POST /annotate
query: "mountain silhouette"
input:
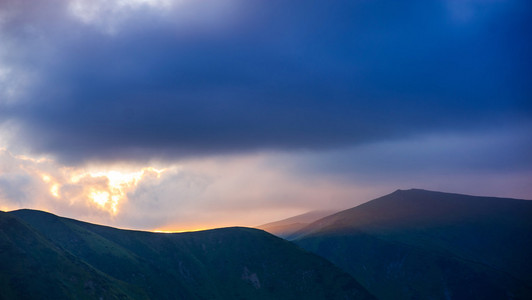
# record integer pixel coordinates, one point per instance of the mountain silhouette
(417, 244)
(44, 256)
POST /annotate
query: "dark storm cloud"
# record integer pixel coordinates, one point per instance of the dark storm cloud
(274, 75)
(501, 151)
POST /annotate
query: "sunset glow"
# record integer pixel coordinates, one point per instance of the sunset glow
(101, 188)
(191, 229)
(182, 114)
(54, 190)
(102, 198)
(46, 178)
(180, 231)
(109, 196)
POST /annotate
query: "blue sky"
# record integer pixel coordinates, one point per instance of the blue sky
(331, 102)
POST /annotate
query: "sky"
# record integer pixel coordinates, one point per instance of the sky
(186, 114)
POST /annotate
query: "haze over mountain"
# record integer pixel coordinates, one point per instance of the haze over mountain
(286, 227)
(43, 256)
(423, 244)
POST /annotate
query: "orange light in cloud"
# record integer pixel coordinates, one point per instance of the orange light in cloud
(102, 188)
(101, 198)
(54, 189)
(34, 160)
(46, 178)
(118, 184)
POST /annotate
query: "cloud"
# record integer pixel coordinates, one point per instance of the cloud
(266, 75)
(248, 190)
(42, 183)
(258, 110)
(502, 150)
(20, 183)
(228, 191)
(196, 194)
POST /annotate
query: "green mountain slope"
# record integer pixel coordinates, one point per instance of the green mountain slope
(422, 244)
(31, 267)
(228, 263)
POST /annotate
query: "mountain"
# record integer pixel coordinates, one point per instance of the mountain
(418, 244)
(44, 256)
(32, 267)
(287, 227)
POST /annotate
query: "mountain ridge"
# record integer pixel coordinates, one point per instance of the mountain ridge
(387, 242)
(225, 263)
(373, 217)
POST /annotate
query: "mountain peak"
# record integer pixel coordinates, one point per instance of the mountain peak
(437, 242)
(417, 191)
(416, 206)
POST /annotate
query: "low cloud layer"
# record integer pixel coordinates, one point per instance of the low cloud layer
(207, 193)
(249, 190)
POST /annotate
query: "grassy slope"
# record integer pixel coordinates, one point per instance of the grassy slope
(428, 244)
(34, 268)
(230, 263)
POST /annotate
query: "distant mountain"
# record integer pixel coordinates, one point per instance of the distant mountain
(287, 227)
(43, 256)
(419, 244)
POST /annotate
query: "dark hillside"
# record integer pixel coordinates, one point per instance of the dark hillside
(34, 268)
(228, 263)
(420, 243)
